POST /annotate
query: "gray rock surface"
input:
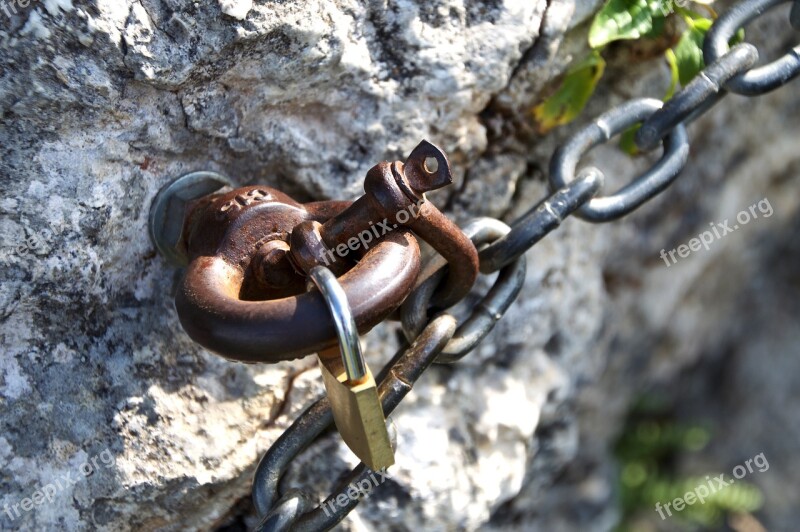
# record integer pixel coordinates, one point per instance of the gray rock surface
(103, 103)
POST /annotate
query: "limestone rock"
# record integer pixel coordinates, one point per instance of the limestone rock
(104, 102)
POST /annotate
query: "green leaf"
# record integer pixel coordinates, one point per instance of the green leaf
(627, 141)
(659, 23)
(627, 19)
(686, 58)
(573, 94)
(738, 37)
(674, 71)
(689, 50)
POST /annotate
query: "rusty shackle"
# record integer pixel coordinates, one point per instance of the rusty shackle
(244, 294)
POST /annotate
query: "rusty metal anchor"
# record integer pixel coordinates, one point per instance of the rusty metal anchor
(249, 250)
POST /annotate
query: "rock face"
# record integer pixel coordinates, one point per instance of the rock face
(111, 418)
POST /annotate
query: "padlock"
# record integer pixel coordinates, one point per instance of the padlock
(349, 383)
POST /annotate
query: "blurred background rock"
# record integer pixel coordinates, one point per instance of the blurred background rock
(612, 374)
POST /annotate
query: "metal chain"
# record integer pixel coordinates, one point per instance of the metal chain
(441, 338)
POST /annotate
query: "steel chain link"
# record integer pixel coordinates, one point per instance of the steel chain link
(612, 123)
(440, 338)
(758, 80)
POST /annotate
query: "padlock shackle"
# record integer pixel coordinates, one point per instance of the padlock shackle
(212, 314)
(347, 332)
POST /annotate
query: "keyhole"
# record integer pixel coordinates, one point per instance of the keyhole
(431, 165)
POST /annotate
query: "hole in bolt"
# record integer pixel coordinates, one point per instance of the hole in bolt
(431, 165)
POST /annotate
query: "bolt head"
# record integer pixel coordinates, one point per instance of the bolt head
(168, 210)
(272, 267)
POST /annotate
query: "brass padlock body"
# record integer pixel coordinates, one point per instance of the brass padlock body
(357, 412)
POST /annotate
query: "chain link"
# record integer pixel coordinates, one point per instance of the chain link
(540, 220)
(698, 97)
(396, 380)
(441, 339)
(641, 189)
(506, 288)
(759, 80)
